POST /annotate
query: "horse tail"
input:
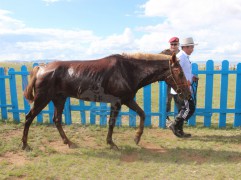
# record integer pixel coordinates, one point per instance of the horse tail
(28, 92)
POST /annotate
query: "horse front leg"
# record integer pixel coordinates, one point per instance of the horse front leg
(135, 107)
(115, 108)
(59, 102)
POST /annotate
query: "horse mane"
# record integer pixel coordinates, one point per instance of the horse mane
(146, 56)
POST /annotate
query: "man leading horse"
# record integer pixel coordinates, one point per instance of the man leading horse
(186, 108)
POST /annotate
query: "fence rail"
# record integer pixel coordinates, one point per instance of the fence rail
(12, 84)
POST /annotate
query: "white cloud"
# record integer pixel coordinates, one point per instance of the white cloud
(8, 23)
(199, 12)
(50, 43)
(114, 44)
(214, 24)
(21, 42)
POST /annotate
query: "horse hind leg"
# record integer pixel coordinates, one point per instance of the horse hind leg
(115, 108)
(59, 102)
(38, 105)
(135, 107)
(28, 121)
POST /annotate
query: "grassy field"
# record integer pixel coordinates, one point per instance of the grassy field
(211, 153)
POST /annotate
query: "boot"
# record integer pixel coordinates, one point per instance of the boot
(174, 127)
(180, 130)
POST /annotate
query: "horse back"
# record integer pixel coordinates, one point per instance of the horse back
(82, 79)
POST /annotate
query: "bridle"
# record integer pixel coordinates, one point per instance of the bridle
(171, 76)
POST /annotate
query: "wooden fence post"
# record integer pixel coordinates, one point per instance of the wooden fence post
(93, 113)
(208, 93)
(3, 99)
(192, 119)
(162, 104)
(223, 94)
(118, 122)
(132, 117)
(25, 73)
(147, 104)
(67, 112)
(14, 96)
(82, 112)
(51, 111)
(103, 118)
(237, 116)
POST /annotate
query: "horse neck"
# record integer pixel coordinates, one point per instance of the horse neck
(150, 71)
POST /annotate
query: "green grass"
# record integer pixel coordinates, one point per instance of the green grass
(210, 154)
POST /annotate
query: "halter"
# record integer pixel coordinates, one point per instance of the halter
(178, 89)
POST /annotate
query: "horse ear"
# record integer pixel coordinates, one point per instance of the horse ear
(173, 59)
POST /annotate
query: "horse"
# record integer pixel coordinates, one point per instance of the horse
(114, 79)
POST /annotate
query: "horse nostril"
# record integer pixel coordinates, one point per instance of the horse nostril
(180, 96)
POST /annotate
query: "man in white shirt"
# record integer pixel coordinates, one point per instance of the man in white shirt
(185, 107)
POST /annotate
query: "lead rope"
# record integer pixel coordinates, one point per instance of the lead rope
(194, 86)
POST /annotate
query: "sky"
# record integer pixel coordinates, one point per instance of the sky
(92, 29)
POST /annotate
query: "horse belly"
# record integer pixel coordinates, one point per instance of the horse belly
(88, 91)
(97, 95)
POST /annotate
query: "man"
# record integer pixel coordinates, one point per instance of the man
(185, 107)
(174, 48)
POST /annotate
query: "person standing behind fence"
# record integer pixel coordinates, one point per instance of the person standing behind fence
(185, 107)
(174, 48)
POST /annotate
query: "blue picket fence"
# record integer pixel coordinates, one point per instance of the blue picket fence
(10, 97)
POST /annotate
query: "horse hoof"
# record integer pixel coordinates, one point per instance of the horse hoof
(26, 148)
(114, 147)
(137, 140)
(72, 146)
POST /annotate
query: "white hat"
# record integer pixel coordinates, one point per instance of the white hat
(187, 42)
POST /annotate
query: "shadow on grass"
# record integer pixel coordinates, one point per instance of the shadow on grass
(235, 139)
(177, 155)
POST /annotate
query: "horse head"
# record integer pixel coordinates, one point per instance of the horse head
(177, 80)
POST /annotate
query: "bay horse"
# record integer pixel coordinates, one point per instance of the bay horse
(114, 79)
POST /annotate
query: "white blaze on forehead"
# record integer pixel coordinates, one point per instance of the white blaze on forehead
(71, 71)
